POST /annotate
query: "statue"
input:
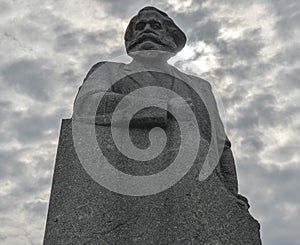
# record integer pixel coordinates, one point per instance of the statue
(153, 30)
(178, 189)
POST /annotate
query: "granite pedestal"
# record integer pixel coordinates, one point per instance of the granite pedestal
(82, 212)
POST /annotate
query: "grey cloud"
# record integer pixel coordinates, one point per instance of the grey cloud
(92, 59)
(33, 27)
(248, 116)
(283, 183)
(5, 8)
(252, 144)
(242, 70)
(70, 76)
(37, 207)
(26, 186)
(198, 18)
(129, 8)
(4, 104)
(240, 59)
(24, 197)
(29, 127)
(246, 48)
(5, 107)
(289, 17)
(31, 77)
(288, 80)
(34, 127)
(233, 95)
(261, 110)
(14, 168)
(206, 31)
(74, 39)
(67, 41)
(10, 166)
(29, 187)
(2, 237)
(286, 153)
(244, 122)
(126, 9)
(288, 55)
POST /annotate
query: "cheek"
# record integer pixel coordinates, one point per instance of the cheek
(134, 35)
(168, 37)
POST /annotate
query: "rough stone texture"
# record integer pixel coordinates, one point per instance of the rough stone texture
(191, 212)
(147, 117)
(201, 102)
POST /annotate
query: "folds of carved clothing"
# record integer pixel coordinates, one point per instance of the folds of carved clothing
(102, 92)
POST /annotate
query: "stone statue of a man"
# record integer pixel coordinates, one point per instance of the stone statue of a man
(151, 39)
(115, 183)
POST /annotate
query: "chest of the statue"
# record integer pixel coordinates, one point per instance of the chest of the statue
(145, 79)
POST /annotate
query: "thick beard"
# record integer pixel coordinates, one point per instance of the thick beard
(166, 44)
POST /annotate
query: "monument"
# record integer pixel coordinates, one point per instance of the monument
(145, 158)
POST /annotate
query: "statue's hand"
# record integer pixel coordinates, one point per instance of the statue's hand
(126, 111)
(178, 105)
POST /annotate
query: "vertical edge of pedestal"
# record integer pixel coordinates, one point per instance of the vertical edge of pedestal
(63, 127)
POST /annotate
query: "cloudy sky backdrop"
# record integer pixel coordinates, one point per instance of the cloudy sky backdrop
(249, 49)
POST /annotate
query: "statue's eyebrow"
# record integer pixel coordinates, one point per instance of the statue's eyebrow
(152, 19)
(140, 21)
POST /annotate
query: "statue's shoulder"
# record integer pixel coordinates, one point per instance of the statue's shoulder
(204, 84)
(105, 66)
(188, 77)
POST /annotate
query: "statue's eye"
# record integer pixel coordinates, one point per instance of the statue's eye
(156, 26)
(140, 26)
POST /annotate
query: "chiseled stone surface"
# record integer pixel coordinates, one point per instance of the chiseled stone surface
(191, 212)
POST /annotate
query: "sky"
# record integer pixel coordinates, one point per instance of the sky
(249, 50)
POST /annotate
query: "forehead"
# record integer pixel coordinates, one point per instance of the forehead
(147, 15)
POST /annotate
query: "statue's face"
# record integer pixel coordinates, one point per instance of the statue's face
(150, 32)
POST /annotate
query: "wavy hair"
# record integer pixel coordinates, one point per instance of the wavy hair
(177, 34)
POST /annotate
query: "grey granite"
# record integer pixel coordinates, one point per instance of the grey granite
(147, 117)
(82, 212)
(190, 212)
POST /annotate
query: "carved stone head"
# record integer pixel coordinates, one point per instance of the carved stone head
(152, 29)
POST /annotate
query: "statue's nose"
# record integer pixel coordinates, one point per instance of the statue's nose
(148, 28)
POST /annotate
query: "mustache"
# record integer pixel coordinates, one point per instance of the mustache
(145, 37)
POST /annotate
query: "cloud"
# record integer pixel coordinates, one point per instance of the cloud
(278, 207)
(118, 9)
(248, 50)
(288, 16)
(32, 78)
(5, 8)
(37, 207)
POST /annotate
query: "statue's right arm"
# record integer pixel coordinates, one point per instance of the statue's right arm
(89, 94)
(96, 85)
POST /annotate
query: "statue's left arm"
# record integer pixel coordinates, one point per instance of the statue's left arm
(219, 140)
(226, 168)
